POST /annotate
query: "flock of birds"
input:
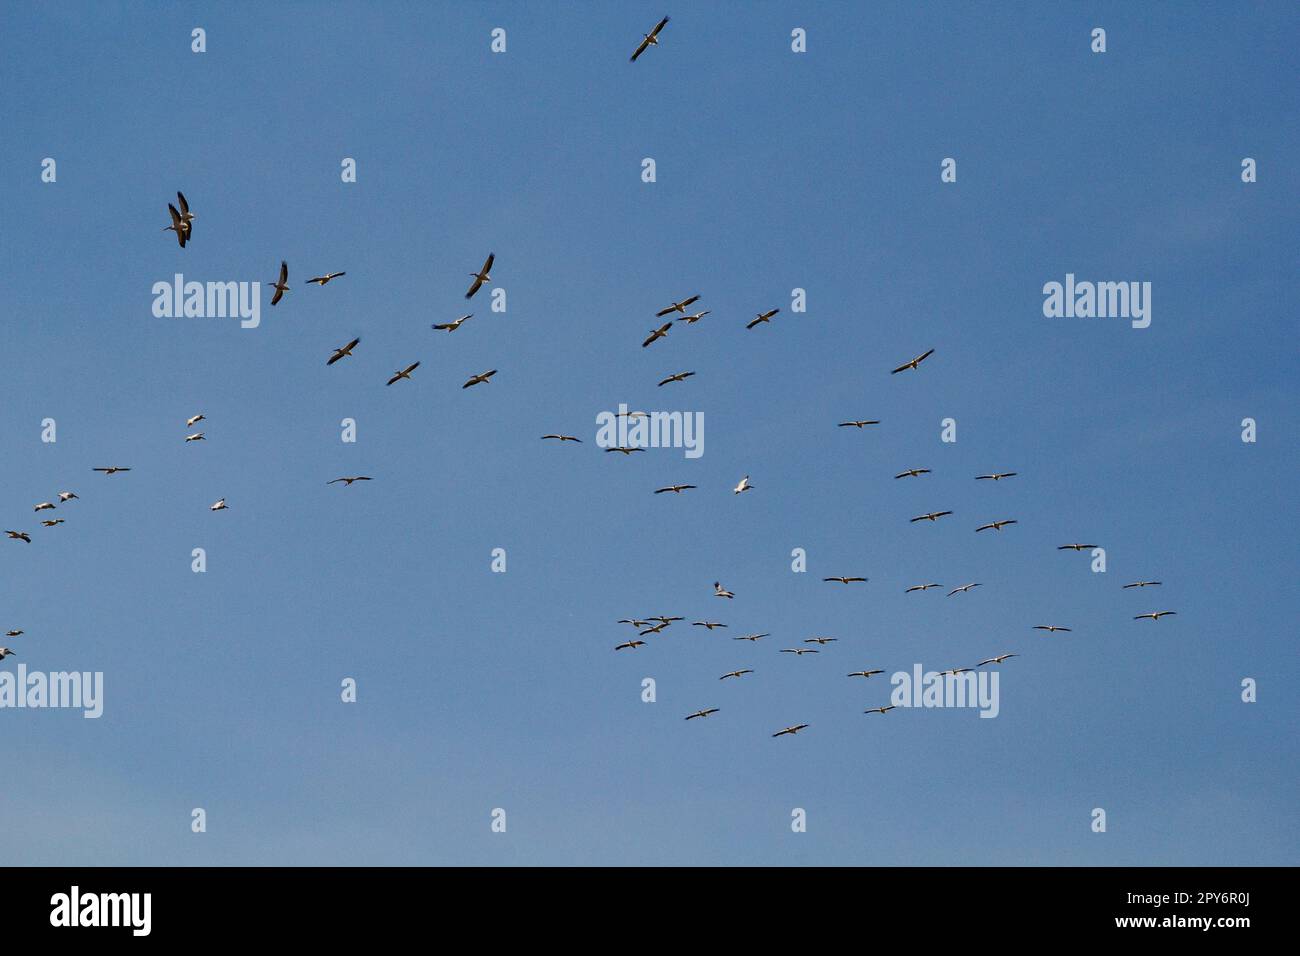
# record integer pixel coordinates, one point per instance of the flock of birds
(182, 224)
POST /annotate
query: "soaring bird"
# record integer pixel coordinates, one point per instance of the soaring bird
(186, 216)
(702, 713)
(324, 280)
(653, 630)
(953, 672)
(5, 652)
(845, 580)
(1141, 584)
(1075, 547)
(675, 489)
(820, 640)
(453, 326)
(178, 226)
(44, 506)
(912, 364)
(1050, 628)
(800, 651)
(676, 307)
(709, 624)
(16, 633)
(111, 471)
(963, 589)
(880, 710)
(404, 373)
(744, 485)
(51, 524)
(667, 619)
(624, 449)
(343, 352)
(921, 587)
(693, 318)
(648, 40)
(858, 424)
(932, 516)
(629, 645)
(762, 317)
(562, 438)
(279, 285)
(219, 505)
(996, 660)
(479, 379)
(790, 730)
(1155, 616)
(197, 436)
(679, 377)
(483, 275)
(864, 673)
(720, 591)
(913, 473)
(349, 481)
(996, 525)
(739, 673)
(997, 476)
(190, 422)
(751, 637)
(66, 496)
(20, 536)
(635, 623)
(657, 334)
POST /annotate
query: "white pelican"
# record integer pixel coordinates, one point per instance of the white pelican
(692, 319)
(657, 334)
(1076, 547)
(14, 633)
(751, 637)
(954, 672)
(666, 619)
(790, 730)
(1141, 584)
(675, 489)
(190, 422)
(859, 423)
(743, 486)
(762, 317)
(921, 587)
(20, 536)
(648, 40)
(1155, 616)
(404, 373)
(679, 377)
(66, 496)
(51, 524)
(799, 651)
(913, 473)
(846, 580)
(655, 629)
(677, 307)
(997, 476)
(324, 280)
(912, 364)
(453, 326)
(349, 481)
(483, 275)
(623, 449)
(709, 624)
(865, 673)
(629, 645)
(563, 438)
(702, 713)
(343, 351)
(218, 505)
(964, 588)
(996, 525)
(823, 641)
(932, 516)
(44, 506)
(197, 436)
(996, 660)
(279, 285)
(880, 710)
(186, 216)
(720, 591)
(739, 673)
(178, 226)
(479, 379)
(1050, 628)
(111, 471)
(637, 624)
(5, 652)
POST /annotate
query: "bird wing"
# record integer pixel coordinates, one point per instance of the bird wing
(478, 284)
(640, 49)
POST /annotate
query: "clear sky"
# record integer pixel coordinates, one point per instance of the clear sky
(775, 171)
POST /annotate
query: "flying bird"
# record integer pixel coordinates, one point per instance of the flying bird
(744, 485)
(629, 645)
(111, 471)
(1140, 584)
(51, 524)
(5, 652)
(864, 673)
(186, 216)
(279, 285)
(912, 364)
(16, 633)
(324, 280)
(666, 619)
(996, 660)
(623, 449)
(20, 536)
(343, 352)
(404, 373)
(178, 226)
(702, 713)
(679, 377)
(562, 438)
(197, 436)
(962, 589)
(66, 496)
(913, 473)
(190, 422)
(350, 480)
(880, 710)
(479, 379)
(790, 730)
(44, 506)
(453, 326)
(751, 637)
(720, 591)
(657, 334)
(483, 275)
(1075, 547)
(845, 580)
(998, 476)
(648, 40)
(1050, 628)
(709, 624)
(676, 307)
(800, 651)
(858, 424)
(921, 587)
(820, 640)
(996, 525)
(762, 317)
(692, 319)
(932, 516)
(1155, 616)
(675, 489)
(653, 630)
(219, 505)
(747, 670)
(954, 672)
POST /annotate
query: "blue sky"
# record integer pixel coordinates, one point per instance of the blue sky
(775, 171)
